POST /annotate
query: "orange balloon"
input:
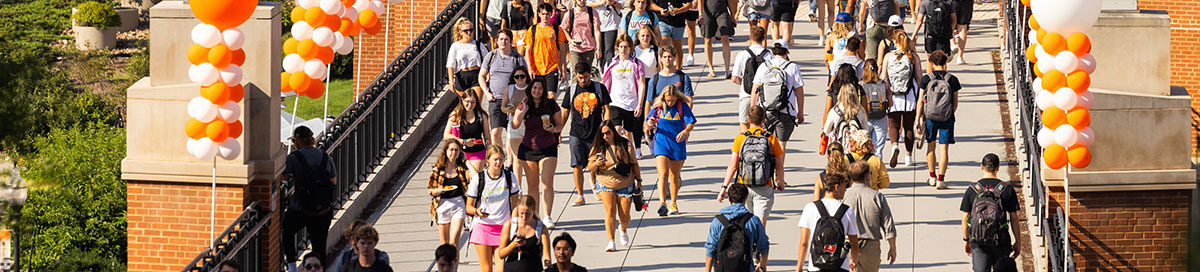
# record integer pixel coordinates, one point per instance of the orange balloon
(1079, 44)
(285, 85)
(1038, 73)
(217, 93)
(1025, 2)
(325, 54)
(300, 92)
(1053, 43)
(1079, 81)
(1054, 154)
(1041, 33)
(220, 56)
(373, 30)
(197, 54)
(316, 89)
(349, 28)
(1034, 24)
(1079, 118)
(297, 14)
(298, 81)
(1031, 53)
(332, 21)
(348, 2)
(217, 131)
(1079, 156)
(239, 57)
(368, 18)
(1053, 80)
(289, 46)
(194, 128)
(223, 13)
(307, 49)
(236, 93)
(1053, 117)
(235, 129)
(314, 16)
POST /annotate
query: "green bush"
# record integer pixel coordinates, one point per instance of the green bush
(139, 64)
(96, 15)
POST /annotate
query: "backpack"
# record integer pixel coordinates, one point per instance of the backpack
(733, 245)
(776, 90)
(315, 190)
(938, 22)
(900, 73)
(751, 68)
(591, 20)
(987, 216)
(876, 100)
(761, 6)
(756, 163)
(829, 245)
(507, 172)
(843, 128)
(939, 102)
(881, 10)
(491, 57)
(653, 21)
(654, 82)
(864, 158)
(533, 33)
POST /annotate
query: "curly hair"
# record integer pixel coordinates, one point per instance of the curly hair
(437, 177)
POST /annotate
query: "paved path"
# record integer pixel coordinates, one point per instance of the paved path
(927, 219)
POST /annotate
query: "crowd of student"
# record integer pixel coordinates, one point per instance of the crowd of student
(528, 71)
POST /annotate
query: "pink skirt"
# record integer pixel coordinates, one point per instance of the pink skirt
(477, 156)
(484, 234)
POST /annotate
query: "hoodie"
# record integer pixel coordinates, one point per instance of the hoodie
(754, 228)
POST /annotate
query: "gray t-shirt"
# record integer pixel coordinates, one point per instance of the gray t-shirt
(501, 67)
(874, 215)
(313, 156)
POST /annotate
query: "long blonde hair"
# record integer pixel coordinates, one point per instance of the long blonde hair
(458, 35)
(671, 90)
(840, 30)
(848, 99)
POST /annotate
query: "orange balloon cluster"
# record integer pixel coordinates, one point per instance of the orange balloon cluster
(216, 59)
(322, 29)
(1067, 121)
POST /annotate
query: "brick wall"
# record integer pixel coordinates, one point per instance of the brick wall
(1185, 52)
(168, 223)
(1127, 231)
(369, 60)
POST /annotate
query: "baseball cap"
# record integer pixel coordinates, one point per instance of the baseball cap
(302, 132)
(843, 17)
(895, 20)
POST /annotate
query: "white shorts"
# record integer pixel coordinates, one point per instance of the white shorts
(451, 209)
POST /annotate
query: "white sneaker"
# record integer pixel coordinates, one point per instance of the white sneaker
(821, 41)
(691, 60)
(638, 153)
(547, 222)
(960, 61)
(932, 181)
(908, 161)
(611, 247)
(624, 237)
(941, 185)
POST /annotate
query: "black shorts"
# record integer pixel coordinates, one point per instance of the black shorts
(784, 11)
(720, 24)
(526, 153)
(781, 125)
(496, 116)
(691, 15)
(464, 80)
(579, 151)
(621, 117)
(964, 10)
(937, 43)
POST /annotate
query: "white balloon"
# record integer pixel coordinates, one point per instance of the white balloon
(347, 46)
(1087, 136)
(315, 69)
(306, 4)
(231, 74)
(1087, 63)
(1065, 99)
(229, 149)
(1065, 135)
(1044, 98)
(323, 36)
(1066, 62)
(229, 112)
(332, 6)
(234, 38)
(377, 6)
(1086, 100)
(191, 146)
(1041, 53)
(361, 5)
(206, 35)
(1032, 37)
(351, 12)
(201, 109)
(301, 30)
(204, 74)
(205, 149)
(293, 63)
(1045, 65)
(1066, 16)
(1045, 136)
(338, 40)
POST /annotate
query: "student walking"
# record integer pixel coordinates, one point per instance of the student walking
(783, 14)
(617, 170)
(939, 19)
(668, 75)
(848, 116)
(874, 218)
(647, 52)
(445, 257)
(837, 162)
(543, 124)
(860, 150)
(851, 56)
(467, 124)
(781, 93)
(515, 95)
(640, 16)
(671, 122)
(351, 235)
(900, 74)
(314, 176)
(875, 18)
(756, 164)
(672, 23)
(447, 185)
(939, 101)
(463, 59)
(988, 207)
(583, 35)
(736, 226)
(311, 263)
(490, 197)
(879, 100)
(517, 17)
(625, 79)
(587, 105)
(524, 241)
(825, 227)
(496, 75)
(564, 250)
(610, 14)
(745, 67)
(365, 239)
(758, 12)
(718, 21)
(963, 11)
(545, 46)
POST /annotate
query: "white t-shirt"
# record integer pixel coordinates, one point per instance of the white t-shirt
(464, 55)
(495, 199)
(609, 16)
(648, 59)
(906, 102)
(740, 61)
(855, 61)
(623, 91)
(794, 79)
(810, 216)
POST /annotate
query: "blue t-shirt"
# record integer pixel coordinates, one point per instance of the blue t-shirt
(670, 122)
(679, 79)
(637, 21)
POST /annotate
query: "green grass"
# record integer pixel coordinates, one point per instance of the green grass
(341, 94)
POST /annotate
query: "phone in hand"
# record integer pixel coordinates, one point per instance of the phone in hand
(478, 141)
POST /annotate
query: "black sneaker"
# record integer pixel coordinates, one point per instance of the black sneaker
(662, 210)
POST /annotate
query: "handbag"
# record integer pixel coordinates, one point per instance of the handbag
(639, 203)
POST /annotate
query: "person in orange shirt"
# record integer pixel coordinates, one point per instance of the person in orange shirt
(757, 163)
(545, 46)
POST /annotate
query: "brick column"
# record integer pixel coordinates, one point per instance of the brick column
(1127, 231)
(400, 29)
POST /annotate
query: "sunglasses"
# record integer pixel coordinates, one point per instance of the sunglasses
(608, 132)
(467, 30)
(520, 77)
(311, 266)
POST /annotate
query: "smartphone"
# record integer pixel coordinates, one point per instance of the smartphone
(478, 141)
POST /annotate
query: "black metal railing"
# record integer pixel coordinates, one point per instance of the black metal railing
(1021, 74)
(242, 242)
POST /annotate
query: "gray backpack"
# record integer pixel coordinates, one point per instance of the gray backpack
(776, 94)
(881, 10)
(899, 74)
(877, 106)
(939, 101)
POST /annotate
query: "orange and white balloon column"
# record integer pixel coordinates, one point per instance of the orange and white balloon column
(321, 28)
(216, 59)
(1064, 64)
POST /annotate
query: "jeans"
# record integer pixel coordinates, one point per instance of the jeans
(983, 258)
(812, 6)
(879, 134)
(316, 226)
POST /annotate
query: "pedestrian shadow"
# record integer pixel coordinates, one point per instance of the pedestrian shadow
(927, 265)
(947, 222)
(989, 138)
(717, 115)
(687, 265)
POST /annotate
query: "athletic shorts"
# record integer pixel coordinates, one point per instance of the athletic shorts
(781, 125)
(784, 11)
(579, 151)
(937, 43)
(691, 15)
(526, 153)
(669, 31)
(720, 24)
(622, 117)
(940, 131)
(964, 10)
(496, 116)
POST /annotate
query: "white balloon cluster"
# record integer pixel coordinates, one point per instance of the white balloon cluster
(1063, 65)
(217, 72)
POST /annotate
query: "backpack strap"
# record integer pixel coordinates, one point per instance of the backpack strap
(479, 190)
(821, 209)
(841, 211)
(724, 221)
(867, 156)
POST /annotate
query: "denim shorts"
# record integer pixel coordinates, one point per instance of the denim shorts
(758, 16)
(673, 32)
(627, 192)
(941, 131)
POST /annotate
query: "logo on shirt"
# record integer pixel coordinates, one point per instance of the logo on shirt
(584, 103)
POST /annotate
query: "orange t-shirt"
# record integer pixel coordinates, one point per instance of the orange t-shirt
(545, 48)
(776, 148)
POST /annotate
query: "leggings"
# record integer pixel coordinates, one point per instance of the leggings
(902, 120)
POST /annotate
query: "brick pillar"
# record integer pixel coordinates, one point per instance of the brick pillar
(400, 28)
(1127, 230)
(169, 222)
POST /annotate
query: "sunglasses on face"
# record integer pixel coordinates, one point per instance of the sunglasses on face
(608, 132)
(520, 77)
(467, 30)
(312, 266)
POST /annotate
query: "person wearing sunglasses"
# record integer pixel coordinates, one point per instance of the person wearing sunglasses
(616, 168)
(311, 263)
(464, 57)
(519, 83)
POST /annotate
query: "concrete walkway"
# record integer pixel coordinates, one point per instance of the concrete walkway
(927, 219)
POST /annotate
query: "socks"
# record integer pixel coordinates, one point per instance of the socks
(941, 177)
(932, 174)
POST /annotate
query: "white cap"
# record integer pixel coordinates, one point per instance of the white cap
(895, 20)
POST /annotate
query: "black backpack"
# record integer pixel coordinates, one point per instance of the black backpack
(987, 218)
(881, 10)
(653, 20)
(866, 157)
(829, 246)
(506, 172)
(756, 163)
(733, 246)
(315, 191)
(937, 22)
(751, 68)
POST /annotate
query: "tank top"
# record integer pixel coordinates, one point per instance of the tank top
(528, 257)
(472, 131)
(455, 181)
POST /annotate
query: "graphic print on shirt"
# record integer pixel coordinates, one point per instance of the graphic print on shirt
(585, 103)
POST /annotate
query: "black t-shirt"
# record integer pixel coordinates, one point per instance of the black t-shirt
(518, 18)
(587, 101)
(954, 85)
(576, 268)
(378, 266)
(677, 20)
(1008, 201)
